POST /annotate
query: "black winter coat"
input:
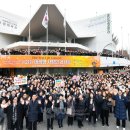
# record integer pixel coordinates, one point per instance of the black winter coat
(79, 109)
(32, 113)
(9, 111)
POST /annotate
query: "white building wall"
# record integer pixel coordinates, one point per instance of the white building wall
(6, 39)
(112, 61)
(99, 28)
(11, 24)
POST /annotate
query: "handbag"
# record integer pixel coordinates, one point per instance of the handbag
(69, 111)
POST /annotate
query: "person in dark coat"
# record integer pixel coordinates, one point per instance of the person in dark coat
(70, 110)
(32, 112)
(120, 108)
(92, 108)
(98, 104)
(79, 110)
(25, 108)
(60, 105)
(41, 109)
(14, 114)
(128, 103)
(105, 109)
(49, 112)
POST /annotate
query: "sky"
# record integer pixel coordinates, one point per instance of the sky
(81, 9)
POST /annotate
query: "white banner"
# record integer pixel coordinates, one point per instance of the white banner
(20, 80)
(59, 83)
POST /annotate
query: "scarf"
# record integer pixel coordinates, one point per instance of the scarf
(14, 114)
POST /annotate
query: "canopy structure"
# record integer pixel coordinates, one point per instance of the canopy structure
(24, 45)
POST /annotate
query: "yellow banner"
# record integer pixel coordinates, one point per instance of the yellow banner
(33, 61)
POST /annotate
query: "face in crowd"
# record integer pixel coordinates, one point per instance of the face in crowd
(34, 97)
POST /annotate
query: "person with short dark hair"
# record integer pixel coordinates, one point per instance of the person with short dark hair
(120, 108)
(14, 114)
(32, 113)
(49, 112)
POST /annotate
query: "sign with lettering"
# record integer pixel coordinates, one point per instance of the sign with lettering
(31, 61)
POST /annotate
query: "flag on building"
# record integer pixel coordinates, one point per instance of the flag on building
(45, 19)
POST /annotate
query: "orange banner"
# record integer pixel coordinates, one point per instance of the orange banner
(32, 61)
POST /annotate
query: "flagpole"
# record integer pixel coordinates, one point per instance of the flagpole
(47, 36)
(65, 28)
(122, 40)
(128, 48)
(29, 37)
(65, 39)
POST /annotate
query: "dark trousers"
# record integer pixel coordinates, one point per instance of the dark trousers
(15, 126)
(92, 114)
(24, 117)
(50, 123)
(70, 120)
(32, 125)
(110, 109)
(60, 122)
(40, 117)
(123, 123)
(98, 112)
(104, 116)
(80, 124)
(129, 111)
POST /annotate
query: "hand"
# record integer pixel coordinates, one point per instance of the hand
(9, 103)
(46, 101)
(39, 101)
(109, 99)
(125, 94)
(29, 98)
(2, 105)
(53, 102)
(27, 102)
(22, 102)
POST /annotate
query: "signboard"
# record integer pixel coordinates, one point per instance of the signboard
(59, 83)
(20, 80)
(31, 61)
(76, 78)
(7, 25)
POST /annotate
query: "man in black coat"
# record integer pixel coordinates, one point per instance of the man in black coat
(33, 108)
(14, 115)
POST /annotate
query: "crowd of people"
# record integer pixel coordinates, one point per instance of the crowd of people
(59, 51)
(79, 97)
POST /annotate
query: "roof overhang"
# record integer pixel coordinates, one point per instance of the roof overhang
(23, 45)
